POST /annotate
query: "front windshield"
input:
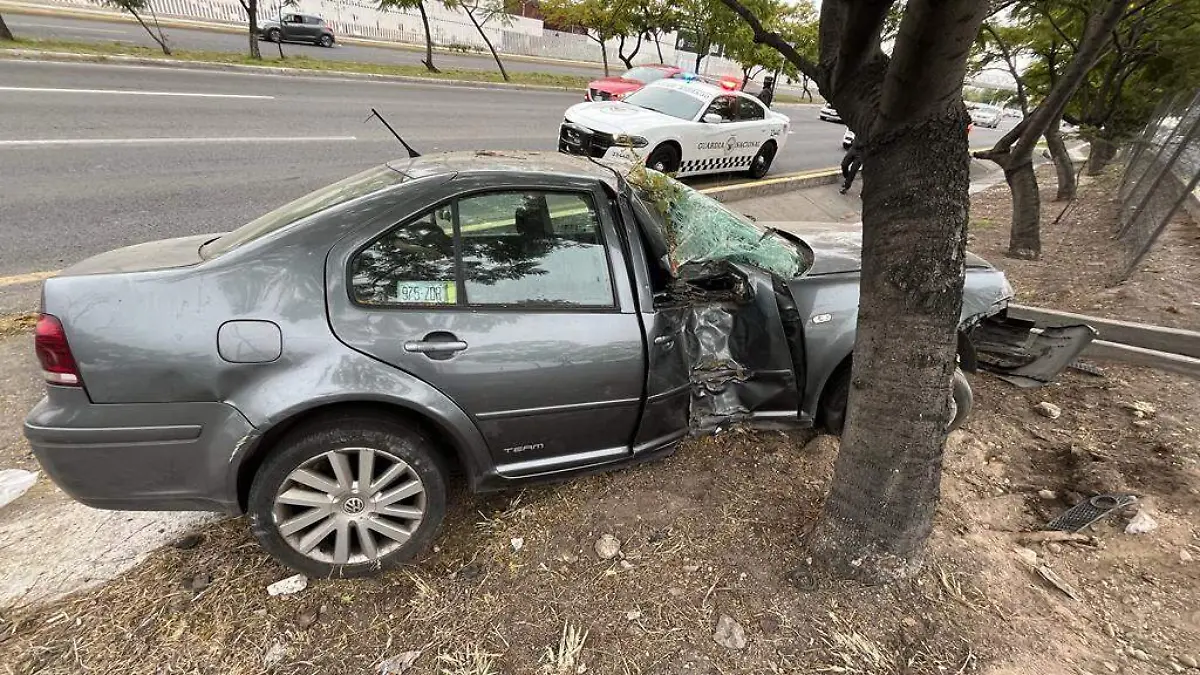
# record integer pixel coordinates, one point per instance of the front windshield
(698, 228)
(667, 101)
(644, 74)
(358, 185)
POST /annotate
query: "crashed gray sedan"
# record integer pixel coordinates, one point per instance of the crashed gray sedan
(511, 318)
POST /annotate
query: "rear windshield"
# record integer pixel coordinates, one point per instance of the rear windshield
(358, 185)
(644, 74)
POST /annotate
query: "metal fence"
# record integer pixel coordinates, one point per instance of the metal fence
(1162, 172)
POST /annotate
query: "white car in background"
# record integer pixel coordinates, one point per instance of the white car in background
(828, 114)
(684, 127)
(986, 116)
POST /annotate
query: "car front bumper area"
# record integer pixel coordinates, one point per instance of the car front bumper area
(138, 456)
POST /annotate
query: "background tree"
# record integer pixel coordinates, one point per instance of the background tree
(251, 7)
(135, 8)
(480, 12)
(602, 20)
(418, 5)
(908, 110)
(5, 33)
(654, 18)
(701, 22)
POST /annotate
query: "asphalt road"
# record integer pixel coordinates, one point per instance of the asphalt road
(95, 156)
(89, 30)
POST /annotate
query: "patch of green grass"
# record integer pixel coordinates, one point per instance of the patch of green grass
(788, 98)
(271, 58)
(981, 223)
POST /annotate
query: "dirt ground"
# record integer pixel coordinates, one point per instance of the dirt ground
(515, 585)
(1079, 257)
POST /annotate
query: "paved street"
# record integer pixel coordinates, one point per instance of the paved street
(99, 156)
(88, 30)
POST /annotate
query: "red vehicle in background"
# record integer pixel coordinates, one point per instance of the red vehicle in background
(617, 88)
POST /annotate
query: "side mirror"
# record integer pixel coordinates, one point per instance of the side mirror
(712, 118)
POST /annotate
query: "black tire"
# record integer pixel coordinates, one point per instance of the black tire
(325, 41)
(390, 440)
(274, 35)
(665, 156)
(832, 413)
(761, 164)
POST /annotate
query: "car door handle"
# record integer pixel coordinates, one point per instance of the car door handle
(434, 347)
(664, 339)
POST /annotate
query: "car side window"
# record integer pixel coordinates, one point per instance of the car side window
(312, 20)
(536, 249)
(413, 264)
(533, 249)
(749, 110)
(723, 106)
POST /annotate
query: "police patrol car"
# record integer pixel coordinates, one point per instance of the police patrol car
(685, 127)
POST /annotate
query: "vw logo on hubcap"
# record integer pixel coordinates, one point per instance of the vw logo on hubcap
(354, 506)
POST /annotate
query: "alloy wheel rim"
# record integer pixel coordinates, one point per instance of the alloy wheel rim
(349, 506)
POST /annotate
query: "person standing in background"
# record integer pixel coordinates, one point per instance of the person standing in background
(851, 163)
(768, 90)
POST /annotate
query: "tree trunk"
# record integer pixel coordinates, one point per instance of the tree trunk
(488, 42)
(1062, 162)
(5, 33)
(1025, 239)
(251, 7)
(604, 56)
(658, 46)
(160, 39)
(428, 40)
(1102, 152)
(886, 483)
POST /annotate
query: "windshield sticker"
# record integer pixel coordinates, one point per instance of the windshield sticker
(426, 292)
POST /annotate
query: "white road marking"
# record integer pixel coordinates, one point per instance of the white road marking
(132, 92)
(142, 141)
(67, 29)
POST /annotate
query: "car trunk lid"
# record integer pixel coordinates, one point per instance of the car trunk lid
(152, 255)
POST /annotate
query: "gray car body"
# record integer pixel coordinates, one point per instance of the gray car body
(310, 30)
(193, 368)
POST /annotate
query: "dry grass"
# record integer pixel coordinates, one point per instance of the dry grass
(15, 324)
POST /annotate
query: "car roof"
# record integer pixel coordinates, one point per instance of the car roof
(507, 161)
(694, 87)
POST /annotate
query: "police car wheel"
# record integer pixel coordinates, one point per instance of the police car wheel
(762, 161)
(665, 159)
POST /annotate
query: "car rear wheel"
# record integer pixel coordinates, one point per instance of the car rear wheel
(832, 415)
(273, 35)
(664, 159)
(326, 41)
(348, 496)
(761, 164)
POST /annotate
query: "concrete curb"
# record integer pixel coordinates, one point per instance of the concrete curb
(70, 57)
(773, 186)
(240, 29)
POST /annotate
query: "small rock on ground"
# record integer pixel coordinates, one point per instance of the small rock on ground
(1141, 523)
(398, 665)
(1189, 661)
(1184, 556)
(729, 633)
(1048, 495)
(1047, 409)
(292, 584)
(608, 547)
(274, 655)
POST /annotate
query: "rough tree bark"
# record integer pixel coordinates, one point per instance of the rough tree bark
(628, 59)
(1063, 166)
(1101, 153)
(251, 7)
(909, 112)
(1014, 152)
(428, 40)
(479, 27)
(5, 33)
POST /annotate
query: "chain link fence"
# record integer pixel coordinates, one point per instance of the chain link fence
(1162, 172)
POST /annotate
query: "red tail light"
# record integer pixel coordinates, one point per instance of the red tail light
(53, 352)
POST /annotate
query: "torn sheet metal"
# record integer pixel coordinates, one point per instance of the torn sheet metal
(1024, 355)
(739, 358)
